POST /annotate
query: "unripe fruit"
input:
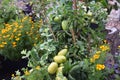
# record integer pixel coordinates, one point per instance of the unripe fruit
(65, 25)
(60, 59)
(59, 78)
(52, 68)
(63, 52)
(57, 18)
(59, 69)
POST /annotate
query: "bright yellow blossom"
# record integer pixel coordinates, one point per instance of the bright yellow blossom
(20, 26)
(37, 67)
(1, 46)
(13, 75)
(4, 42)
(100, 66)
(96, 56)
(17, 39)
(119, 46)
(92, 60)
(14, 44)
(104, 47)
(27, 73)
(4, 31)
(19, 34)
(15, 30)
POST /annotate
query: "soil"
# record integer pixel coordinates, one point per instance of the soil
(8, 67)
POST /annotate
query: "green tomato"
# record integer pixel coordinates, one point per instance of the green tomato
(57, 18)
(65, 25)
(52, 68)
(59, 59)
(63, 52)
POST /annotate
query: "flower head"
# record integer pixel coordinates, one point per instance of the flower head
(104, 47)
(27, 73)
(37, 67)
(100, 66)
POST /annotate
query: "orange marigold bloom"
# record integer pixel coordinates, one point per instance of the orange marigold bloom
(100, 66)
(96, 56)
(104, 47)
(1, 46)
(37, 67)
(17, 39)
(27, 73)
(14, 44)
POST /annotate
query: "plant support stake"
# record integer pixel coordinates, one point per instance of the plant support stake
(71, 30)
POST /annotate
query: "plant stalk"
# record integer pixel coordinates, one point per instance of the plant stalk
(74, 6)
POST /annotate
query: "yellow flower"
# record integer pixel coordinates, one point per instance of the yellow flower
(92, 60)
(100, 66)
(4, 42)
(37, 67)
(4, 31)
(15, 30)
(96, 56)
(20, 26)
(105, 41)
(119, 46)
(34, 44)
(19, 34)
(1, 46)
(104, 47)
(14, 44)
(27, 32)
(17, 39)
(27, 73)
(16, 24)
(13, 75)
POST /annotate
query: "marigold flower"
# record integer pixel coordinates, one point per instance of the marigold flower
(4, 42)
(34, 44)
(105, 41)
(3, 31)
(1, 46)
(100, 66)
(17, 39)
(27, 73)
(20, 26)
(92, 60)
(37, 67)
(15, 30)
(14, 44)
(96, 56)
(119, 46)
(19, 34)
(16, 24)
(104, 47)
(13, 75)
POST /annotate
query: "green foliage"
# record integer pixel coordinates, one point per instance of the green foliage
(7, 13)
(18, 35)
(84, 59)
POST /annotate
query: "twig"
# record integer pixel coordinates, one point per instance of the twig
(52, 32)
